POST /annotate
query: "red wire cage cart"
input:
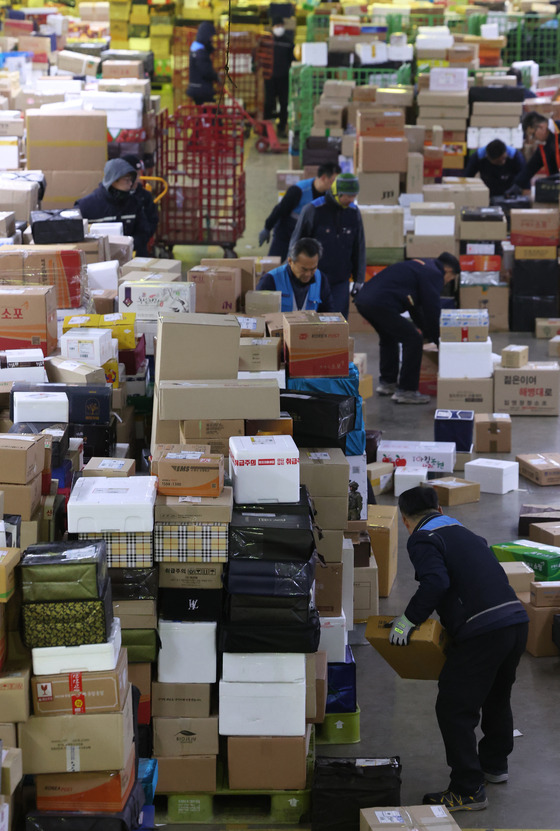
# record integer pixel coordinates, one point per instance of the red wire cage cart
(199, 152)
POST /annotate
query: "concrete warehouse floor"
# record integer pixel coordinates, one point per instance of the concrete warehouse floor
(397, 716)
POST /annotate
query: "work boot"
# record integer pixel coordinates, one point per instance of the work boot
(410, 397)
(385, 388)
(456, 802)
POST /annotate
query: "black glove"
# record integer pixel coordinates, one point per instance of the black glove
(264, 236)
(514, 190)
(356, 287)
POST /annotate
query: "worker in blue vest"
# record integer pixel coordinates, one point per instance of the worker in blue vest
(300, 281)
(282, 220)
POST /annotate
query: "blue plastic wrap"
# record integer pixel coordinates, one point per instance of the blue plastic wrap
(341, 692)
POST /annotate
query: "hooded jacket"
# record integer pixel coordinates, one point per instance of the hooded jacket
(202, 74)
(460, 579)
(105, 204)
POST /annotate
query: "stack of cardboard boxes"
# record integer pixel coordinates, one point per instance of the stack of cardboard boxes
(482, 230)
(535, 233)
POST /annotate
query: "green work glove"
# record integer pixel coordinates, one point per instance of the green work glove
(400, 631)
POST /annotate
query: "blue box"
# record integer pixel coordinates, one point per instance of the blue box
(455, 425)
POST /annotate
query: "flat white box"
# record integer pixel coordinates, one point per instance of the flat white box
(263, 667)
(22, 365)
(92, 346)
(433, 455)
(40, 406)
(124, 120)
(256, 709)
(106, 229)
(264, 469)
(113, 101)
(314, 54)
(348, 582)
(334, 638)
(278, 375)
(466, 360)
(448, 79)
(104, 276)
(493, 475)
(188, 652)
(91, 657)
(150, 297)
(150, 264)
(108, 504)
(409, 477)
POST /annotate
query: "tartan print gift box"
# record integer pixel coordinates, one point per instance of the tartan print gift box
(196, 542)
(126, 550)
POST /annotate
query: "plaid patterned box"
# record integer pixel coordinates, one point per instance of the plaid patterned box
(129, 550)
(196, 542)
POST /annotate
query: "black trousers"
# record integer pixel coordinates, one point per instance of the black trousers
(393, 329)
(476, 679)
(277, 89)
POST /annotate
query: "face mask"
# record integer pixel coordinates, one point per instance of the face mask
(278, 31)
(119, 196)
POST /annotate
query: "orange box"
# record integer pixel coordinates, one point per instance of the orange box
(317, 344)
(28, 318)
(105, 792)
(480, 262)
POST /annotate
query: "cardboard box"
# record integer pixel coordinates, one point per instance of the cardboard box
(11, 770)
(539, 641)
(545, 594)
(28, 315)
(514, 357)
(382, 155)
(8, 735)
(466, 394)
(122, 69)
(65, 187)
(383, 226)
(65, 744)
(14, 694)
(216, 433)
(267, 762)
(181, 700)
(331, 512)
(66, 140)
(546, 532)
(325, 471)
(183, 470)
(519, 575)
(22, 458)
(492, 433)
(424, 656)
(136, 614)
(317, 344)
(495, 299)
(65, 371)
(98, 466)
(452, 491)
(96, 792)
(382, 527)
(259, 354)
(379, 188)
(23, 499)
(246, 264)
(547, 327)
(366, 591)
(185, 736)
(535, 226)
(328, 589)
(174, 773)
(409, 817)
(532, 390)
(140, 675)
(380, 122)
(380, 476)
(216, 400)
(218, 290)
(541, 468)
(214, 339)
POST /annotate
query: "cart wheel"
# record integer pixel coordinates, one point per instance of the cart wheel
(262, 145)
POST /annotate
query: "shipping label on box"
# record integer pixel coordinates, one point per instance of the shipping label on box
(317, 344)
(532, 390)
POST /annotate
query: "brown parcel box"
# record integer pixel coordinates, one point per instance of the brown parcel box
(519, 575)
(11, 770)
(321, 688)
(492, 433)
(8, 734)
(65, 744)
(184, 471)
(119, 468)
(197, 346)
(383, 226)
(541, 468)
(216, 433)
(136, 614)
(514, 357)
(81, 693)
(64, 371)
(330, 544)
(310, 686)
(545, 594)
(64, 187)
(325, 471)
(206, 509)
(332, 512)
(452, 491)
(214, 399)
(366, 591)
(259, 354)
(379, 188)
(196, 774)
(539, 641)
(22, 458)
(181, 700)
(532, 390)
(247, 266)
(424, 656)
(22, 499)
(547, 532)
(218, 290)
(382, 155)
(328, 589)
(66, 141)
(382, 526)
(185, 736)
(14, 694)
(28, 313)
(413, 817)
(267, 762)
(493, 298)
(465, 394)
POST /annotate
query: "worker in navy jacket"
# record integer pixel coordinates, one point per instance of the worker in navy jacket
(460, 578)
(335, 221)
(202, 75)
(414, 286)
(143, 195)
(115, 201)
(546, 158)
(282, 219)
(498, 164)
(300, 281)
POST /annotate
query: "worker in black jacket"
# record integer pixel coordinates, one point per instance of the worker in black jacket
(144, 196)
(414, 286)
(202, 75)
(335, 221)
(546, 158)
(114, 201)
(460, 578)
(498, 164)
(277, 87)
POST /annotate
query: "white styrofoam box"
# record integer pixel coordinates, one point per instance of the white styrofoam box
(106, 229)
(435, 41)
(256, 709)
(108, 101)
(124, 119)
(533, 67)
(73, 104)
(115, 348)
(334, 637)
(489, 30)
(22, 365)
(278, 375)
(188, 652)
(104, 504)
(91, 657)
(465, 360)
(404, 52)
(449, 79)
(9, 152)
(433, 455)
(264, 667)
(493, 475)
(314, 54)
(358, 473)
(92, 346)
(61, 85)
(409, 477)
(481, 136)
(264, 469)
(371, 53)
(430, 225)
(348, 582)
(150, 297)
(40, 406)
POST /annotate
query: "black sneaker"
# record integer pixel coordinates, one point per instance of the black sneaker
(455, 802)
(496, 777)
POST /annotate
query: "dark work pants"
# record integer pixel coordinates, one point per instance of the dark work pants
(393, 329)
(340, 293)
(277, 89)
(476, 678)
(281, 236)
